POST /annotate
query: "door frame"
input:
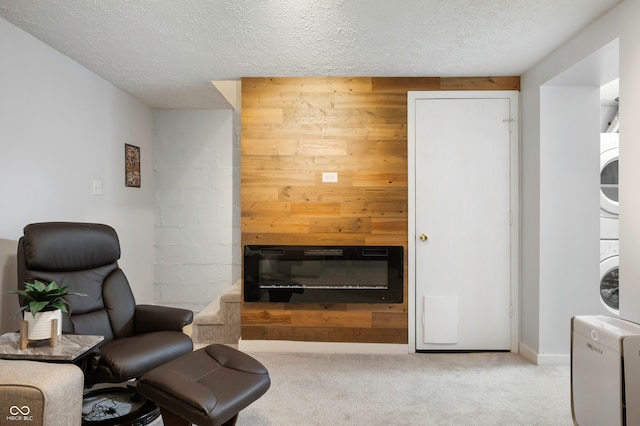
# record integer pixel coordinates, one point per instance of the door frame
(514, 202)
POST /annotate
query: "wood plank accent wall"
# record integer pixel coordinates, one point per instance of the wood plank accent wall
(293, 129)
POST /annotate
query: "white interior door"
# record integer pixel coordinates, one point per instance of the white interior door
(462, 222)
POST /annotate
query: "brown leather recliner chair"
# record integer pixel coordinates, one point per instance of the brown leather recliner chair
(83, 256)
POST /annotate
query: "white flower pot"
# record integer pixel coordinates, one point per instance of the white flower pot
(39, 327)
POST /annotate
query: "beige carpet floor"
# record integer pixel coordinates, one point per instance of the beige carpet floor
(417, 389)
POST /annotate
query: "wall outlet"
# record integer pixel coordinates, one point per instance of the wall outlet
(330, 176)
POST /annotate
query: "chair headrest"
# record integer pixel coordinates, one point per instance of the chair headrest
(68, 246)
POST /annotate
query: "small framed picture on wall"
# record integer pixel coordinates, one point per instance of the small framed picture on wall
(131, 165)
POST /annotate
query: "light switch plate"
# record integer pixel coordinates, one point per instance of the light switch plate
(97, 187)
(330, 176)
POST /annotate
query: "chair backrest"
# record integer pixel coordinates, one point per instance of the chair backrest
(82, 256)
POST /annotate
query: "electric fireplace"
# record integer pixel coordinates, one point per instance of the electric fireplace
(323, 274)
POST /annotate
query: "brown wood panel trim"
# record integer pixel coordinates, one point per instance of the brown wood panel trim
(326, 334)
(253, 308)
(480, 83)
(406, 84)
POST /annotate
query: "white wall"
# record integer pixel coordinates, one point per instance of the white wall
(558, 249)
(197, 206)
(61, 127)
(569, 210)
(629, 160)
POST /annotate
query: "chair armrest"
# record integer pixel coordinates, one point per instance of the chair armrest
(150, 318)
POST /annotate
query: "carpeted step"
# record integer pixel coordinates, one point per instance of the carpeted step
(219, 322)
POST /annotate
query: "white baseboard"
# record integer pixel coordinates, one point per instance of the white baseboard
(542, 359)
(322, 347)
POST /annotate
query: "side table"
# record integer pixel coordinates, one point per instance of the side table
(69, 348)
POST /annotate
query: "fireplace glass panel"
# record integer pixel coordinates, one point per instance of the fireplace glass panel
(349, 274)
(325, 274)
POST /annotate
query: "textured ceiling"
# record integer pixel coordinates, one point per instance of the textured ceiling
(166, 52)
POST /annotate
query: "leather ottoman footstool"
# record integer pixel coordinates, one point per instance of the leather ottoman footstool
(206, 387)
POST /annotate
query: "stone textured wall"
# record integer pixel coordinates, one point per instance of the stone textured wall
(197, 254)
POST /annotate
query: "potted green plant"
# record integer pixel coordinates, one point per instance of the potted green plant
(45, 302)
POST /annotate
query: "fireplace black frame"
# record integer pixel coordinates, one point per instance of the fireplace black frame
(255, 291)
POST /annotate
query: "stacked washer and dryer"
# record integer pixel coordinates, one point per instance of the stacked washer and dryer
(605, 349)
(609, 228)
(600, 342)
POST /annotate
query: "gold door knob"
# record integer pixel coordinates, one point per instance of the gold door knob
(423, 237)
